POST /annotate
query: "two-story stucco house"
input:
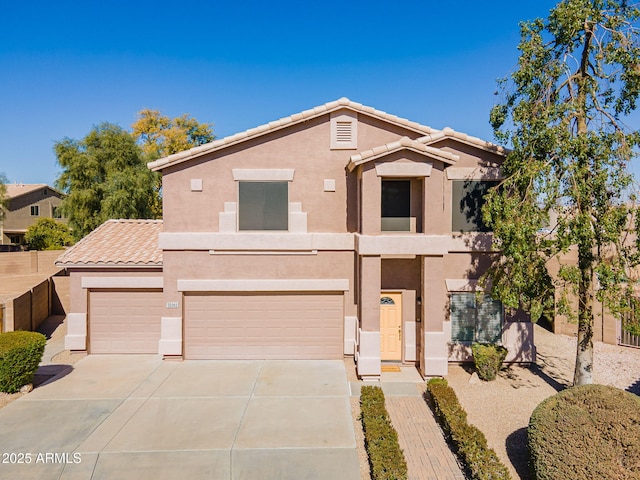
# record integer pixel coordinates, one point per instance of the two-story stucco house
(340, 230)
(26, 204)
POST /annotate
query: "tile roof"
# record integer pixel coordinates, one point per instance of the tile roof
(404, 142)
(17, 189)
(287, 121)
(117, 243)
(449, 132)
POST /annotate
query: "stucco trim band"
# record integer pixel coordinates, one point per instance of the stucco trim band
(262, 285)
(122, 282)
(263, 174)
(402, 244)
(463, 285)
(255, 241)
(396, 169)
(474, 173)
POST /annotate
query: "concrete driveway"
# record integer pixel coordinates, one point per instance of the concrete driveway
(138, 417)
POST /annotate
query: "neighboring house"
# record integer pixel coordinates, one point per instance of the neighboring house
(27, 203)
(340, 230)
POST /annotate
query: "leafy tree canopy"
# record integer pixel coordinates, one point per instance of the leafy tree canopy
(104, 176)
(47, 234)
(563, 112)
(3, 195)
(160, 136)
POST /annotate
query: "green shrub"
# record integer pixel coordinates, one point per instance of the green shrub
(386, 459)
(20, 355)
(590, 431)
(488, 358)
(469, 443)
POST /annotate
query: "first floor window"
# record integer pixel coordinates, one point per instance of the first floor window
(263, 206)
(35, 210)
(475, 319)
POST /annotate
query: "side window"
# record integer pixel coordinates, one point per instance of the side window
(35, 210)
(475, 321)
(263, 206)
(466, 205)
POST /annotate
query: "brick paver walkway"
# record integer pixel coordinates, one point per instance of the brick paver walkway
(428, 456)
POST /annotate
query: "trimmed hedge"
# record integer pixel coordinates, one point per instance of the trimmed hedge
(386, 459)
(20, 355)
(469, 443)
(590, 431)
(488, 358)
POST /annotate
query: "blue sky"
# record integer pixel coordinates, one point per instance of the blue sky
(66, 66)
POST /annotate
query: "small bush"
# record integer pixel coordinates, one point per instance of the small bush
(386, 459)
(470, 444)
(20, 355)
(590, 431)
(488, 359)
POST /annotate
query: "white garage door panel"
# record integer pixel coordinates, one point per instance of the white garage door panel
(124, 321)
(263, 326)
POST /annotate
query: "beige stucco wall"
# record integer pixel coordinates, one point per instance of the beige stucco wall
(18, 215)
(605, 325)
(202, 265)
(78, 300)
(354, 207)
(304, 147)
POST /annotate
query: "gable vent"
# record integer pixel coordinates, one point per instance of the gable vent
(344, 132)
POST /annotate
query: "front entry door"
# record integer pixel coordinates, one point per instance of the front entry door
(391, 326)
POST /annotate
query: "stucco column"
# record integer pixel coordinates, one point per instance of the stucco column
(170, 344)
(368, 356)
(371, 206)
(434, 302)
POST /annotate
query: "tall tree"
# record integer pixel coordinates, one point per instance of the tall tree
(104, 176)
(3, 196)
(563, 111)
(160, 136)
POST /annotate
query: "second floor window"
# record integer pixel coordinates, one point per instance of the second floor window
(396, 205)
(467, 201)
(263, 206)
(35, 210)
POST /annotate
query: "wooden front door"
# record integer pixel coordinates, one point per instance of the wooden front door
(391, 326)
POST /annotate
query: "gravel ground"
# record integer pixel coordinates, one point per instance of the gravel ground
(501, 409)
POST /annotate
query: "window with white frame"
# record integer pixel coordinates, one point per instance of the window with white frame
(263, 205)
(35, 210)
(475, 318)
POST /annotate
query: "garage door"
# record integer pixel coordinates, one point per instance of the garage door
(124, 321)
(277, 326)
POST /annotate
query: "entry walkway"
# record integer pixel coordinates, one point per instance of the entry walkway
(425, 449)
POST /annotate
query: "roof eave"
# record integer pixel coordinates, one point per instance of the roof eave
(107, 265)
(353, 164)
(282, 123)
(450, 134)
